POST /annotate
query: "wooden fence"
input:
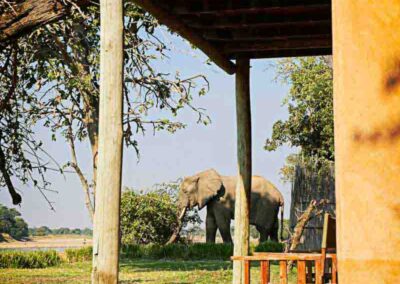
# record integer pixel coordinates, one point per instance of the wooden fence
(307, 185)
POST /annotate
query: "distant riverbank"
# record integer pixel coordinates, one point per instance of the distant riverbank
(57, 242)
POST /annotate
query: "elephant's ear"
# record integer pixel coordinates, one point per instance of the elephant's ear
(209, 183)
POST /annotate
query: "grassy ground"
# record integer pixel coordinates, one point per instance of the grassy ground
(138, 271)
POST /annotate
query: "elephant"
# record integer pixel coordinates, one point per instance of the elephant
(218, 193)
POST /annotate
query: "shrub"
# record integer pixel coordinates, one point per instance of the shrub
(151, 217)
(179, 251)
(269, 246)
(80, 254)
(32, 259)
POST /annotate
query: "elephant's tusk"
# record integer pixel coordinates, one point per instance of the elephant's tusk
(175, 234)
(182, 214)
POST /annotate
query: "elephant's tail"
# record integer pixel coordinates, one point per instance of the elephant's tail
(282, 210)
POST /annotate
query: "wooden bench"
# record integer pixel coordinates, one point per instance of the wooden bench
(318, 268)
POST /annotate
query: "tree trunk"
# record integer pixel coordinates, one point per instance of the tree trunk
(243, 187)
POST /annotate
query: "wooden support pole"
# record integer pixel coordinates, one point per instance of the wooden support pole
(366, 60)
(108, 193)
(243, 187)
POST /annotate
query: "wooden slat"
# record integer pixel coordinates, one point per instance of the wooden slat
(334, 270)
(270, 25)
(282, 256)
(301, 272)
(196, 6)
(246, 272)
(283, 272)
(302, 43)
(283, 53)
(318, 272)
(271, 10)
(267, 33)
(264, 272)
(248, 38)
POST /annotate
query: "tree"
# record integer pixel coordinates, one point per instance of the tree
(59, 64)
(310, 105)
(11, 223)
(153, 216)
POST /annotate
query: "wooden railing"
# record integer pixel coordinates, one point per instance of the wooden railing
(305, 264)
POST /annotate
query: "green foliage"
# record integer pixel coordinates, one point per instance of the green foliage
(44, 231)
(310, 105)
(151, 217)
(41, 231)
(12, 223)
(199, 251)
(32, 259)
(52, 76)
(269, 246)
(80, 254)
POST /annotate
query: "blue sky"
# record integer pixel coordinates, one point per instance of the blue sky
(166, 157)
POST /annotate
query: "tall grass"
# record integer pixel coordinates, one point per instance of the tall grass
(31, 259)
(80, 254)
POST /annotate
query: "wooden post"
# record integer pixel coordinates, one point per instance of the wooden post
(366, 61)
(264, 272)
(319, 273)
(106, 221)
(283, 277)
(243, 188)
(301, 272)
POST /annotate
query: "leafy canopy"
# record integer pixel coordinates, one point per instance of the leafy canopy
(12, 223)
(310, 106)
(50, 78)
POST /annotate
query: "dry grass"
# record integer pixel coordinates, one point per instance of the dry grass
(50, 241)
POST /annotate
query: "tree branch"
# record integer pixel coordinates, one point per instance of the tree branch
(27, 15)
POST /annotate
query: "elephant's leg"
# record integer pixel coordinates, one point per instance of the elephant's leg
(275, 228)
(224, 226)
(263, 234)
(274, 234)
(211, 228)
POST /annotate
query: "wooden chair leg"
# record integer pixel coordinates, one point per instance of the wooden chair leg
(246, 272)
(264, 270)
(301, 272)
(318, 272)
(283, 272)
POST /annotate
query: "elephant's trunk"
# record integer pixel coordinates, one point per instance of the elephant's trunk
(178, 228)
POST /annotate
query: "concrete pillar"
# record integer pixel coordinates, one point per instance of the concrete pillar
(366, 52)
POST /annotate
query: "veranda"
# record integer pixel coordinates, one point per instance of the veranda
(364, 38)
(365, 42)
